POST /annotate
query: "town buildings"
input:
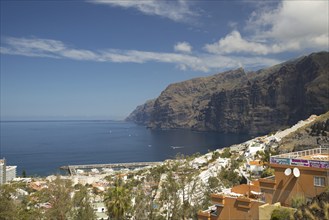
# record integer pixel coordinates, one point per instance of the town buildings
(7, 173)
(298, 173)
(255, 167)
(303, 172)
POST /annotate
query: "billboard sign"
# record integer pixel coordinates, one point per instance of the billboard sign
(284, 161)
(300, 162)
(319, 164)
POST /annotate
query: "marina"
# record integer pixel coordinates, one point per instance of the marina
(74, 169)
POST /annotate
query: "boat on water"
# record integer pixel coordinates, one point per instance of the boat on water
(176, 147)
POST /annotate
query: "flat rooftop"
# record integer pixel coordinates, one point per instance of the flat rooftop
(11, 167)
(317, 158)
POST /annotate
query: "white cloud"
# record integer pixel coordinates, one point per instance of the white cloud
(297, 20)
(184, 47)
(290, 26)
(80, 54)
(176, 10)
(204, 62)
(37, 44)
(234, 43)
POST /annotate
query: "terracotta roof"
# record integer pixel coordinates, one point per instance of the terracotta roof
(256, 163)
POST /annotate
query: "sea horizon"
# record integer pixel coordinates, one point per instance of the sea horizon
(41, 147)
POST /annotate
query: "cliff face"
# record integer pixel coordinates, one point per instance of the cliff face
(181, 104)
(238, 102)
(142, 114)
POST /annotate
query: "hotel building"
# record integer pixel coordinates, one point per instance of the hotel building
(7, 173)
(304, 172)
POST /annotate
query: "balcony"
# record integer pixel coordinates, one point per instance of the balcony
(209, 214)
(267, 183)
(243, 202)
(218, 199)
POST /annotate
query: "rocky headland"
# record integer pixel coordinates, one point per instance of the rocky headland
(236, 101)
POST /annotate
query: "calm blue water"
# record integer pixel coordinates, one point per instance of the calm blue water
(41, 148)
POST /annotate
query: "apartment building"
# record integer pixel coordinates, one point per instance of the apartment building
(7, 173)
(304, 172)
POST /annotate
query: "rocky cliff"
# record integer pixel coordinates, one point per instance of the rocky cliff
(239, 102)
(142, 114)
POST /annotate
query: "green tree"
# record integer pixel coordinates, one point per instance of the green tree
(180, 196)
(27, 209)
(83, 209)
(188, 182)
(58, 194)
(141, 204)
(213, 184)
(226, 153)
(214, 156)
(169, 199)
(118, 201)
(264, 156)
(8, 208)
(23, 173)
(153, 180)
(229, 177)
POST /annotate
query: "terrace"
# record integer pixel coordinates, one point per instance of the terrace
(317, 158)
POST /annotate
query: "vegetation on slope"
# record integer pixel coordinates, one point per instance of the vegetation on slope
(309, 136)
(317, 209)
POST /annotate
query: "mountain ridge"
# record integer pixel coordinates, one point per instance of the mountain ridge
(234, 101)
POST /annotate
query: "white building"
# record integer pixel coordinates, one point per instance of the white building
(253, 148)
(7, 173)
(255, 167)
(2, 173)
(100, 210)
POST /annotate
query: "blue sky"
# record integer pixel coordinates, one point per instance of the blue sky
(99, 59)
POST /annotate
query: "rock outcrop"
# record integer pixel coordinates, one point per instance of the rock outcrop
(142, 114)
(239, 102)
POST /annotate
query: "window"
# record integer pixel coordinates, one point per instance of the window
(319, 181)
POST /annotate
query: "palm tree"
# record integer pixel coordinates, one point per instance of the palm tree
(118, 201)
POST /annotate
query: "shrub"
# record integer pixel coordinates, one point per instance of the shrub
(214, 156)
(226, 153)
(298, 200)
(229, 177)
(267, 172)
(280, 214)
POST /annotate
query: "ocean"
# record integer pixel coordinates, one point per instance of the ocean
(41, 147)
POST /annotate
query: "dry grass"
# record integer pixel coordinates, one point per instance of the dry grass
(315, 207)
(326, 211)
(299, 214)
(309, 214)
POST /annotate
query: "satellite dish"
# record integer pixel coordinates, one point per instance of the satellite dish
(287, 172)
(296, 172)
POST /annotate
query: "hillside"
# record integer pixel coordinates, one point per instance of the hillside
(309, 136)
(238, 102)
